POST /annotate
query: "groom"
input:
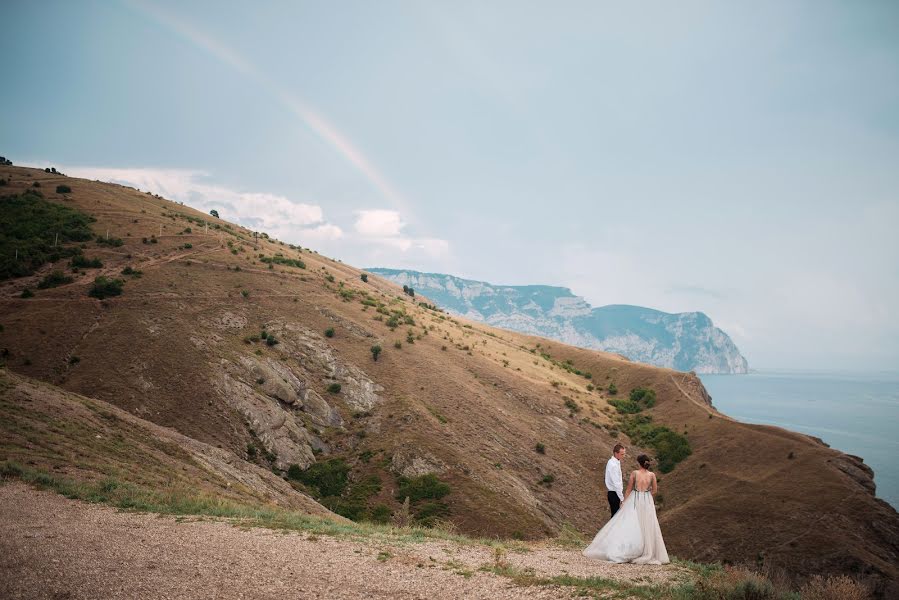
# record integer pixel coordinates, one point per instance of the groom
(614, 480)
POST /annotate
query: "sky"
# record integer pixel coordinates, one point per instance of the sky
(740, 159)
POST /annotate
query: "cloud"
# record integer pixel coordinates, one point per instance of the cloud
(324, 232)
(384, 228)
(277, 215)
(379, 223)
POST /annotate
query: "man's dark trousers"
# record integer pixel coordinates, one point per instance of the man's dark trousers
(614, 502)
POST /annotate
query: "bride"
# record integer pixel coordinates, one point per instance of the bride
(633, 534)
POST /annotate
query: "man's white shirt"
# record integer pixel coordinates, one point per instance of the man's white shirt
(614, 481)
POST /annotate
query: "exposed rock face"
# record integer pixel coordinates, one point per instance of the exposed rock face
(276, 428)
(272, 395)
(410, 464)
(683, 341)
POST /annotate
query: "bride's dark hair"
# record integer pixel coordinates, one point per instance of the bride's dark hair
(644, 461)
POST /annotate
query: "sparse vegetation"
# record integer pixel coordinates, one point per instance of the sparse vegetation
(613, 389)
(105, 287)
(540, 448)
(63, 189)
(54, 279)
(364, 277)
(26, 293)
(278, 259)
(334, 388)
(375, 351)
(329, 332)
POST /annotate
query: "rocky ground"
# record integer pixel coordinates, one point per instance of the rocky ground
(52, 547)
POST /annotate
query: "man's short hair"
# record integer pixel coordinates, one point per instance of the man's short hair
(618, 448)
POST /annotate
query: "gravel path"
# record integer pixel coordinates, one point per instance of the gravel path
(51, 547)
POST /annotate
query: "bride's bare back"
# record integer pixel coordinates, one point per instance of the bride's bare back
(642, 481)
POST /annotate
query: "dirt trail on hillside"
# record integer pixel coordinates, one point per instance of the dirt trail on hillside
(52, 547)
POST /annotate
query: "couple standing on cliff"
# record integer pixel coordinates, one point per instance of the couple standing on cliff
(633, 533)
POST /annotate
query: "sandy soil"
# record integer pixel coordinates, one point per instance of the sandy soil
(52, 547)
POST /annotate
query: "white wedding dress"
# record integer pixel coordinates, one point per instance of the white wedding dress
(632, 535)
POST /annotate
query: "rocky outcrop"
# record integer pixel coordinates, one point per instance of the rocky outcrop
(414, 464)
(683, 341)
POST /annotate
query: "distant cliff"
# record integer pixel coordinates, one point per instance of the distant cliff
(683, 341)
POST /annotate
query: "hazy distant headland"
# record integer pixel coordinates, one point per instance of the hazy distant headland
(682, 341)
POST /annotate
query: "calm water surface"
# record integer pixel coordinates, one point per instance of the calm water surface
(855, 413)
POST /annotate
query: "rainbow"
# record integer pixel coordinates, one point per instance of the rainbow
(312, 120)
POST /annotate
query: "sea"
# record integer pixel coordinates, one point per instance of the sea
(857, 413)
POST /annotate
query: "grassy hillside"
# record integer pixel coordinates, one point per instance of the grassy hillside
(264, 350)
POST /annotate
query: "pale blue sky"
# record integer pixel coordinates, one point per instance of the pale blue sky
(739, 159)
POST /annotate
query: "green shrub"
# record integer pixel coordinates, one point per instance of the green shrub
(626, 407)
(613, 389)
(547, 480)
(397, 344)
(328, 478)
(79, 261)
(113, 241)
(54, 279)
(364, 277)
(334, 388)
(423, 487)
(105, 287)
(429, 513)
(572, 405)
(63, 189)
(670, 446)
(329, 332)
(26, 293)
(540, 448)
(245, 293)
(375, 351)
(644, 396)
(380, 513)
(132, 271)
(270, 340)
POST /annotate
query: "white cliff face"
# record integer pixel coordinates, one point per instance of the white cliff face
(685, 341)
